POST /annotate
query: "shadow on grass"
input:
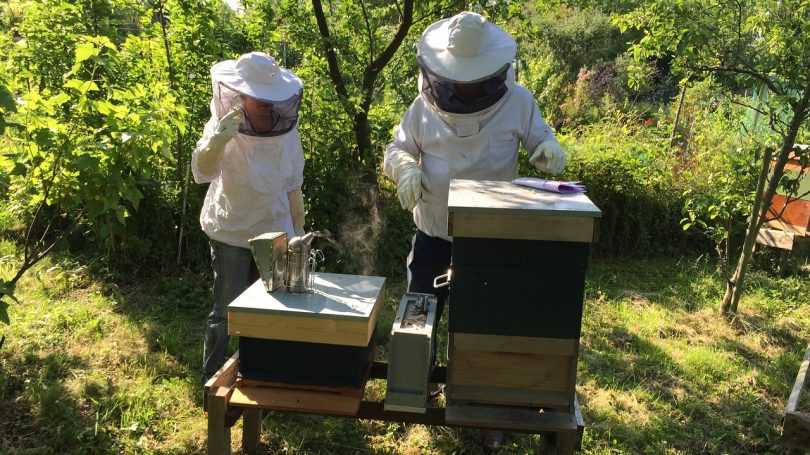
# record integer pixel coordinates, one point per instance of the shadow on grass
(38, 411)
(719, 396)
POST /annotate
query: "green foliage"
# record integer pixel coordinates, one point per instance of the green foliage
(632, 179)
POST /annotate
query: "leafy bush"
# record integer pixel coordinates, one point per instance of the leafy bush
(631, 175)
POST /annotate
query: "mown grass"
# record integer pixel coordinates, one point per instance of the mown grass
(91, 366)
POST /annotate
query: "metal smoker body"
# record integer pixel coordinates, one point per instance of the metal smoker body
(301, 260)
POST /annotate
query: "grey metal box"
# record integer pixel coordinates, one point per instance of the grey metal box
(410, 353)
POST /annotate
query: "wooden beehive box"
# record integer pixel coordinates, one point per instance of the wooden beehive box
(793, 216)
(516, 293)
(319, 338)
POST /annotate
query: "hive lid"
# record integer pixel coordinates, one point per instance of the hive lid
(488, 196)
(336, 297)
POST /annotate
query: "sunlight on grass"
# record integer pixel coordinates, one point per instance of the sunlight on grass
(114, 367)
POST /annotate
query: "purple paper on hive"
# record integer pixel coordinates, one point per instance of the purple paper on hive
(550, 185)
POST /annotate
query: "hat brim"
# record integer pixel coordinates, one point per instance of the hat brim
(286, 85)
(433, 51)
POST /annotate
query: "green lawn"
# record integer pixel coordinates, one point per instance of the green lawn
(90, 366)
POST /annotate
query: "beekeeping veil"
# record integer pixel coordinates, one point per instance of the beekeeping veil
(464, 49)
(258, 76)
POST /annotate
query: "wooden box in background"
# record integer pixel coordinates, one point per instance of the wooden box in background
(516, 293)
(792, 216)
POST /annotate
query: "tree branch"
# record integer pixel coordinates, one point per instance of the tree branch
(369, 33)
(756, 74)
(800, 111)
(331, 57)
(373, 70)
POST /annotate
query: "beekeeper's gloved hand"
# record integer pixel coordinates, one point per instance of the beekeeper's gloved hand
(409, 179)
(549, 157)
(210, 154)
(296, 198)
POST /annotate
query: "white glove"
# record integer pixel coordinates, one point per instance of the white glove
(549, 157)
(209, 154)
(296, 198)
(409, 185)
(405, 171)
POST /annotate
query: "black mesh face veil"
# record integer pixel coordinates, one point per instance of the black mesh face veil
(445, 94)
(282, 116)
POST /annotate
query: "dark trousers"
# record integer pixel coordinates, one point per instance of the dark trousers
(429, 258)
(234, 270)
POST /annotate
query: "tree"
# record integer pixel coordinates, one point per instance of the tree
(749, 44)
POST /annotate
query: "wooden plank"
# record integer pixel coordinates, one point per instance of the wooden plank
(462, 394)
(251, 431)
(571, 389)
(524, 227)
(775, 238)
(295, 400)
(801, 379)
(306, 329)
(224, 377)
(510, 370)
(351, 391)
(219, 435)
(515, 344)
(513, 418)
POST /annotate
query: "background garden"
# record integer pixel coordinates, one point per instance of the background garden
(668, 111)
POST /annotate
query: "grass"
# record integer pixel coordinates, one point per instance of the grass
(90, 366)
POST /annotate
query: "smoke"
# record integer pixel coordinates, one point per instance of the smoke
(360, 231)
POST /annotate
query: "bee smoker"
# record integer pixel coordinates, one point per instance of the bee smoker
(301, 261)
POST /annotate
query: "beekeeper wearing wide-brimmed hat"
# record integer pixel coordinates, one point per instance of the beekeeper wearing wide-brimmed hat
(250, 153)
(466, 123)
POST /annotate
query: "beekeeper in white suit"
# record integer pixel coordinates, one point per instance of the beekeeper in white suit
(251, 155)
(466, 123)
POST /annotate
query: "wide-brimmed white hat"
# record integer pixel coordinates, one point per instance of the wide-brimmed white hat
(466, 48)
(257, 75)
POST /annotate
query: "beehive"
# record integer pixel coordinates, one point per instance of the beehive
(516, 294)
(319, 338)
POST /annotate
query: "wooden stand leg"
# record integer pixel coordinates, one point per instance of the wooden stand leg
(558, 443)
(251, 430)
(566, 442)
(219, 435)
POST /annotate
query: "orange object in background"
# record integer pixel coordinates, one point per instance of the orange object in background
(796, 215)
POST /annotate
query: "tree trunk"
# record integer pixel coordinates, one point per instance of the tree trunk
(734, 284)
(762, 201)
(677, 117)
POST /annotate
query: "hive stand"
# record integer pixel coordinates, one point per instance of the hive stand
(561, 431)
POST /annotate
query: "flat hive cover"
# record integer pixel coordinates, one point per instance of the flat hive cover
(503, 210)
(341, 310)
(489, 196)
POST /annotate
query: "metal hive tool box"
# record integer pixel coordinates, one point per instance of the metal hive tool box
(410, 353)
(516, 293)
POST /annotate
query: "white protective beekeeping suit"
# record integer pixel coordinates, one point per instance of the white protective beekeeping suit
(443, 137)
(255, 178)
